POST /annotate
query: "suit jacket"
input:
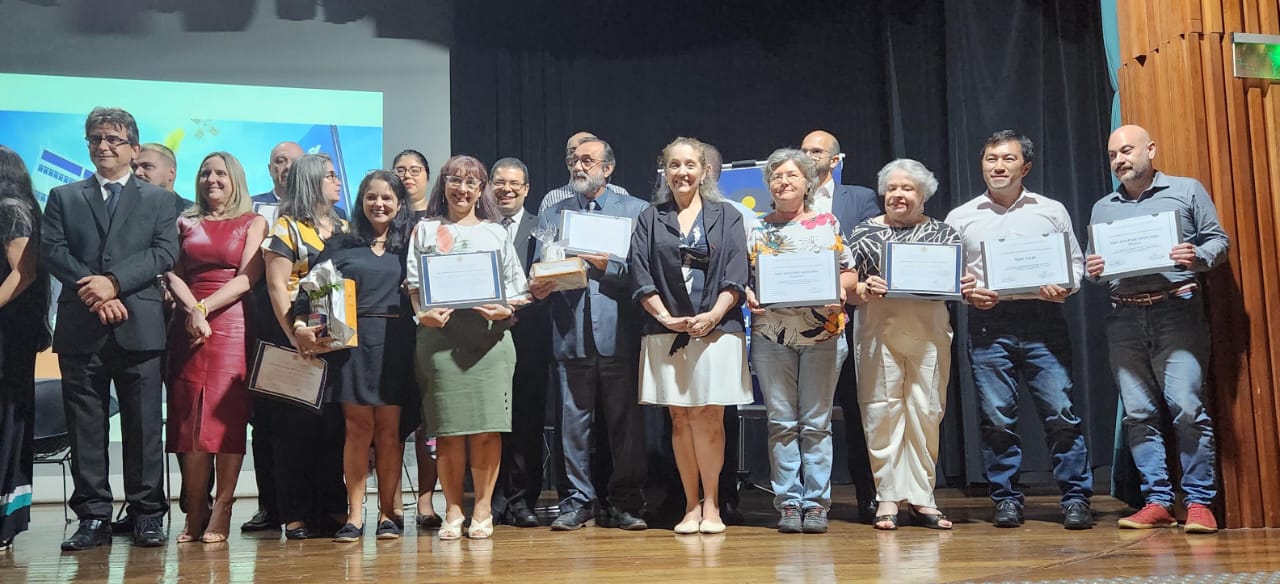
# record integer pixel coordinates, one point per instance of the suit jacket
(135, 244)
(604, 309)
(852, 205)
(532, 326)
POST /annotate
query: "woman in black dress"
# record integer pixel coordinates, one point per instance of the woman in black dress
(374, 380)
(24, 331)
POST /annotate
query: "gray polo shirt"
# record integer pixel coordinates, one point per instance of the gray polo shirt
(1197, 218)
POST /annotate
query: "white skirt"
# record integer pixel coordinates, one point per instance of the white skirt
(710, 371)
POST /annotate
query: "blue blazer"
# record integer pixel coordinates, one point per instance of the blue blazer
(604, 309)
(852, 205)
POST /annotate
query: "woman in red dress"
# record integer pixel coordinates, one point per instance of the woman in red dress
(209, 401)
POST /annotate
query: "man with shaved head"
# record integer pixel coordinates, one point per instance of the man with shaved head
(559, 194)
(1158, 337)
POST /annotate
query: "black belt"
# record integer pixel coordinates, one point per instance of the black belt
(1149, 298)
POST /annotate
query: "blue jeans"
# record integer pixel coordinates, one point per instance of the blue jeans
(1159, 354)
(799, 385)
(1026, 341)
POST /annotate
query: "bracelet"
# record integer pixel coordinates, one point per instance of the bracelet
(297, 324)
(201, 307)
(662, 315)
(861, 289)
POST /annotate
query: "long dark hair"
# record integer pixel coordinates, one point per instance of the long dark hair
(467, 167)
(401, 225)
(15, 189)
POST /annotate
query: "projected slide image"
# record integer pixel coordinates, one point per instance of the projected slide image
(746, 185)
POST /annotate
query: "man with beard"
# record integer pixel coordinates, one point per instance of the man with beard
(157, 165)
(1158, 337)
(595, 340)
(564, 192)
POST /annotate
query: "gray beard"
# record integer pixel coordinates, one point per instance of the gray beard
(588, 186)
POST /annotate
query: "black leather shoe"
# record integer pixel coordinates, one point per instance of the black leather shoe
(148, 532)
(867, 511)
(1076, 515)
(573, 520)
(521, 516)
(90, 534)
(626, 521)
(303, 532)
(1008, 514)
(731, 515)
(261, 521)
(123, 526)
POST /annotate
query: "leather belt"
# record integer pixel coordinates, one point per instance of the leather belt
(386, 315)
(1149, 298)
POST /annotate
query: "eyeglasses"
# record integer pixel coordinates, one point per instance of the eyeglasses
(502, 184)
(587, 162)
(816, 152)
(457, 181)
(411, 171)
(112, 141)
(333, 176)
(777, 178)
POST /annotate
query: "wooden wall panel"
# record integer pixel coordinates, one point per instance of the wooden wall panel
(1176, 80)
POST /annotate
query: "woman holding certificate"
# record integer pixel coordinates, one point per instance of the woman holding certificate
(307, 449)
(465, 357)
(688, 268)
(208, 398)
(798, 348)
(373, 380)
(903, 351)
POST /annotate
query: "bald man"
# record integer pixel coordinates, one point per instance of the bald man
(1157, 335)
(282, 157)
(559, 194)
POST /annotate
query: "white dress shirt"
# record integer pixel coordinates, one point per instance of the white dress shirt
(823, 195)
(102, 184)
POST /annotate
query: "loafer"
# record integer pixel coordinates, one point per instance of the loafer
(428, 521)
(573, 520)
(387, 529)
(731, 515)
(148, 532)
(261, 521)
(303, 532)
(90, 534)
(523, 517)
(790, 521)
(815, 520)
(349, 533)
(1008, 514)
(122, 526)
(1076, 515)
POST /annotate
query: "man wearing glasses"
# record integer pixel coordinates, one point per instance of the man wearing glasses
(851, 205)
(564, 192)
(595, 340)
(106, 238)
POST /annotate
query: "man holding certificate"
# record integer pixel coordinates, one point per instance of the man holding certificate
(1023, 254)
(595, 338)
(1158, 337)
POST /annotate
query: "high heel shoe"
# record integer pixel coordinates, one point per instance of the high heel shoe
(219, 524)
(480, 529)
(451, 530)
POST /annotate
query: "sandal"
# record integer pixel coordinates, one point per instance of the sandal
(451, 530)
(892, 520)
(480, 528)
(930, 520)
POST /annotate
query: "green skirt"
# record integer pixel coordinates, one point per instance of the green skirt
(464, 372)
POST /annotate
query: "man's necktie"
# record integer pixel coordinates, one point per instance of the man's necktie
(114, 197)
(507, 221)
(593, 205)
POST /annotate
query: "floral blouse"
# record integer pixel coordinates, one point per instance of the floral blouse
(799, 325)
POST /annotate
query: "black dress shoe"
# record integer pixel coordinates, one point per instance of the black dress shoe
(303, 532)
(90, 534)
(261, 521)
(1076, 515)
(122, 526)
(867, 511)
(148, 532)
(572, 520)
(627, 521)
(1008, 514)
(731, 515)
(522, 517)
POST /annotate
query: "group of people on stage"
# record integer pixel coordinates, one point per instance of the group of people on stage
(158, 296)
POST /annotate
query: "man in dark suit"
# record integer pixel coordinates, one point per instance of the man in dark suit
(282, 157)
(106, 239)
(851, 205)
(595, 340)
(520, 476)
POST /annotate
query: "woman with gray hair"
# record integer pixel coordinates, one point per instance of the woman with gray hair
(798, 351)
(903, 351)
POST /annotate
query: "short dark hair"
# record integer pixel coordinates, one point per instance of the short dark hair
(998, 138)
(113, 116)
(511, 163)
(426, 166)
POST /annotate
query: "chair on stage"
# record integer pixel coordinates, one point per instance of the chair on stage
(52, 444)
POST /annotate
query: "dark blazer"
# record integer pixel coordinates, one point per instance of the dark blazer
(269, 198)
(532, 325)
(605, 305)
(852, 205)
(136, 244)
(655, 262)
(526, 246)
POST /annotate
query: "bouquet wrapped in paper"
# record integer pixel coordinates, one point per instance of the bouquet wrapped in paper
(567, 273)
(333, 304)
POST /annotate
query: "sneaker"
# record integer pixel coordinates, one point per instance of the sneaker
(1076, 515)
(790, 521)
(348, 533)
(1008, 514)
(387, 529)
(1200, 519)
(1152, 515)
(815, 520)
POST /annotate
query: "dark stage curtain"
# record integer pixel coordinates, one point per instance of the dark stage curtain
(915, 78)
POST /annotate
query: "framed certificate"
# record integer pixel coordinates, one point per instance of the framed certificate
(929, 271)
(281, 374)
(268, 210)
(1136, 246)
(1015, 265)
(596, 233)
(797, 279)
(461, 280)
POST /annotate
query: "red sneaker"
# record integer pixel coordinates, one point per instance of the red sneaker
(1200, 519)
(1152, 515)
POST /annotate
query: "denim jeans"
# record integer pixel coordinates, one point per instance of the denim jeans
(799, 385)
(1026, 341)
(1159, 354)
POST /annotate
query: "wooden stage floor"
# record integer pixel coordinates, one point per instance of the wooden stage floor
(851, 552)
